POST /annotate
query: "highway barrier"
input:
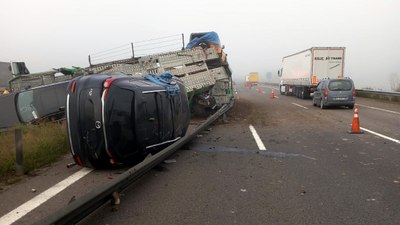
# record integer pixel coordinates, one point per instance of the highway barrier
(19, 168)
(382, 95)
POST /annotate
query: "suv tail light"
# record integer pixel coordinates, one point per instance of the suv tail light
(326, 92)
(106, 85)
(354, 92)
(73, 86)
(78, 161)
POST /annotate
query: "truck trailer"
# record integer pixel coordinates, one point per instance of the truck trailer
(252, 79)
(202, 65)
(301, 72)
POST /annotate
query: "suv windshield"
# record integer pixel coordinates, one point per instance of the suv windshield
(25, 106)
(340, 85)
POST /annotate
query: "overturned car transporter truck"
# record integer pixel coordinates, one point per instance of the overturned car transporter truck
(202, 66)
(301, 72)
(129, 108)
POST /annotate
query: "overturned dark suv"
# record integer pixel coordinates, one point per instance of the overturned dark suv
(118, 119)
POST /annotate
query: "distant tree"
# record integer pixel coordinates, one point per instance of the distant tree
(395, 82)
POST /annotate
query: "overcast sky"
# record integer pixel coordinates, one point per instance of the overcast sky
(256, 33)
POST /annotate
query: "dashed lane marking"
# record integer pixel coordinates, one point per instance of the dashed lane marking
(257, 138)
(35, 202)
(384, 110)
(299, 105)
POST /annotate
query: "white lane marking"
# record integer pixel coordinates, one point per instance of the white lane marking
(299, 105)
(276, 96)
(380, 135)
(257, 138)
(384, 110)
(30, 205)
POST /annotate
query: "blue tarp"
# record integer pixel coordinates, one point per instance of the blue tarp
(165, 80)
(208, 38)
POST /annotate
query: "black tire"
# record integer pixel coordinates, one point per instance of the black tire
(200, 110)
(280, 90)
(351, 106)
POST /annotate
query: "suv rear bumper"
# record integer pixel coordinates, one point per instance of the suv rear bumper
(339, 103)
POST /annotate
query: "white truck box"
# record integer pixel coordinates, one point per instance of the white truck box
(302, 71)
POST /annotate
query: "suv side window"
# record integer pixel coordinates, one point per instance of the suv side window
(324, 84)
(319, 86)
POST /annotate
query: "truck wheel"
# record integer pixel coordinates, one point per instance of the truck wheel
(280, 90)
(200, 110)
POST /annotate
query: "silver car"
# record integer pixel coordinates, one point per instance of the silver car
(335, 92)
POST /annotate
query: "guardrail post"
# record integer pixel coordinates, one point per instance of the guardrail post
(90, 61)
(183, 41)
(133, 50)
(19, 169)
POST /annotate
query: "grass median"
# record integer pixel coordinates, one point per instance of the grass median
(42, 144)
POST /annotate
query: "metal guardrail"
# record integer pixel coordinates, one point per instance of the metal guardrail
(384, 95)
(387, 93)
(85, 205)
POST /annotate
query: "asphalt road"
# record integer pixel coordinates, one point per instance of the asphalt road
(312, 171)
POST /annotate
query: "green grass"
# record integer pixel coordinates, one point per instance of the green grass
(42, 145)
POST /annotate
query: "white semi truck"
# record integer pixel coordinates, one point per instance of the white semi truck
(301, 72)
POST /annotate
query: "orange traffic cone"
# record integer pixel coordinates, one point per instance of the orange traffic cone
(272, 94)
(355, 126)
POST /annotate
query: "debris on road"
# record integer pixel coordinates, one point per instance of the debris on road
(169, 161)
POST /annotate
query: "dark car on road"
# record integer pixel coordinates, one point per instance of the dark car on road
(118, 119)
(335, 92)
